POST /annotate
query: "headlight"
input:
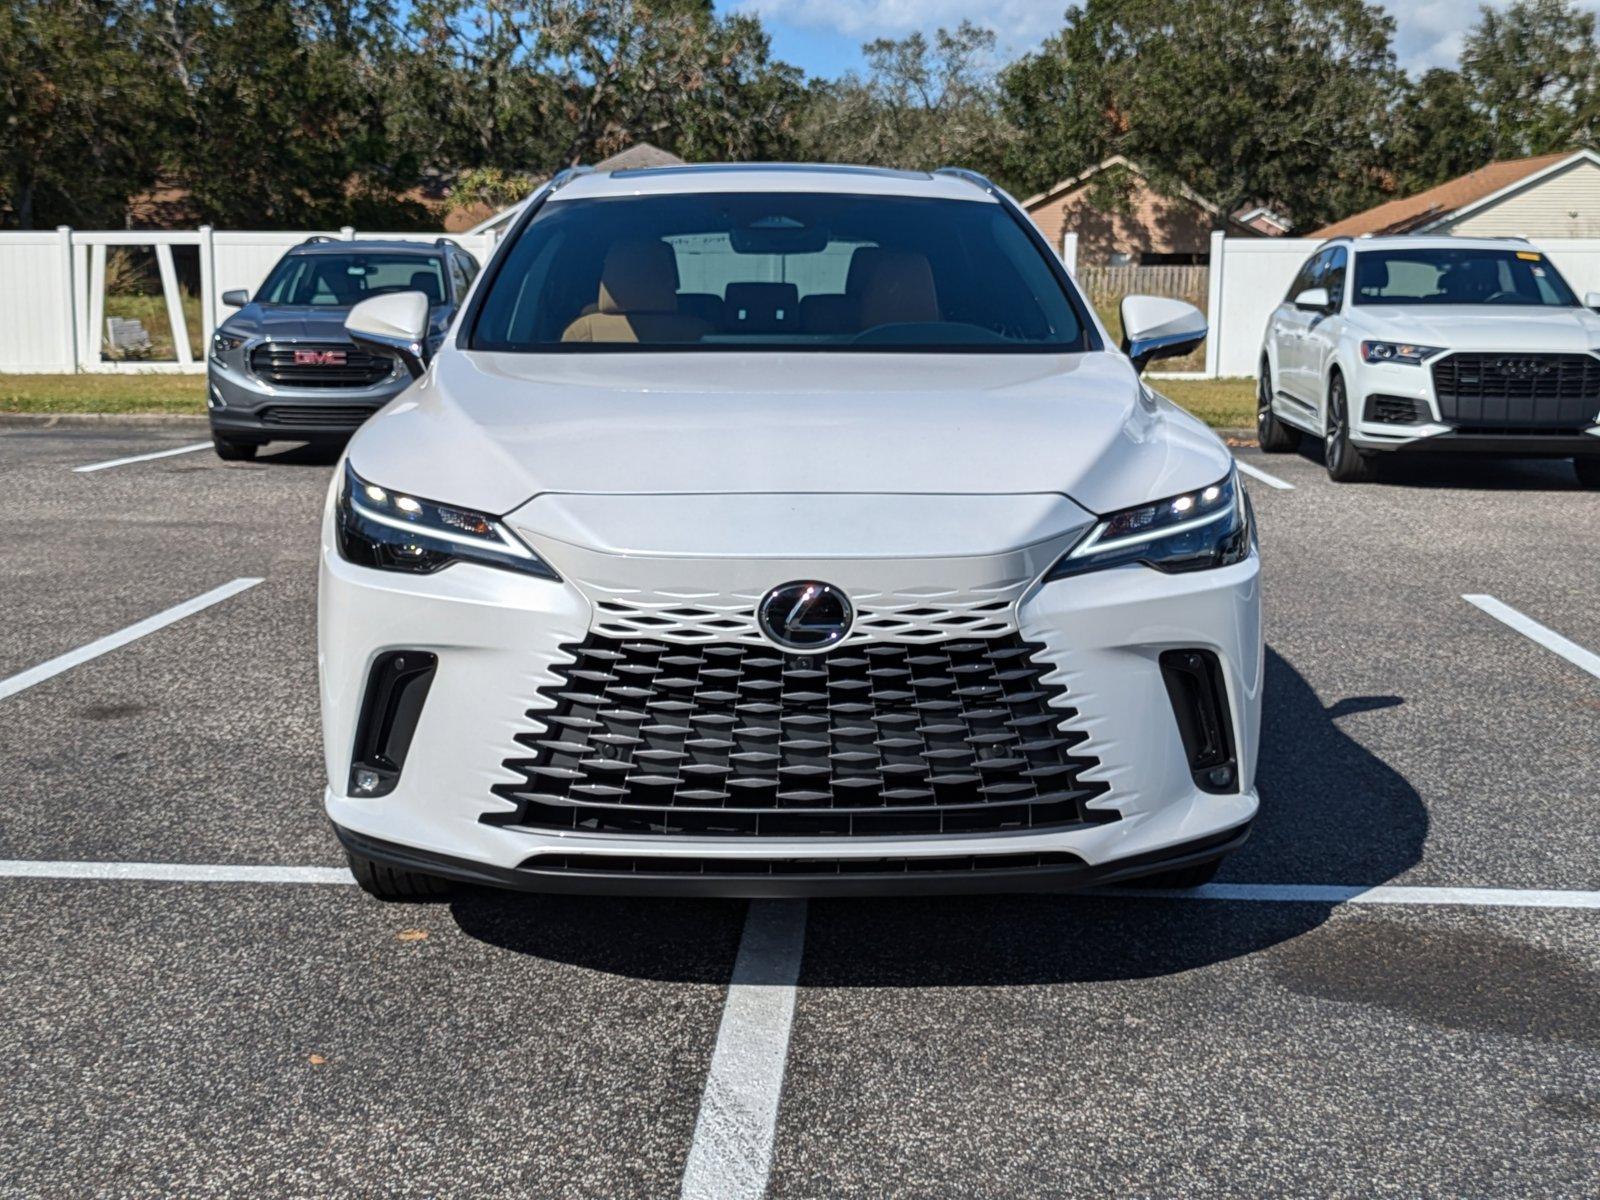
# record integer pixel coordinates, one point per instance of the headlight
(1191, 532)
(391, 532)
(221, 343)
(1402, 353)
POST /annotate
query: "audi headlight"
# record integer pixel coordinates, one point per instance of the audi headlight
(221, 343)
(393, 532)
(1192, 532)
(1401, 353)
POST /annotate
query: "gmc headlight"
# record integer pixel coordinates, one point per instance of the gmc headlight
(221, 343)
(1401, 353)
(393, 532)
(1192, 532)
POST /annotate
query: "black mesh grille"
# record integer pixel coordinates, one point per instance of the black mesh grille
(275, 363)
(1518, 392)
(317, 416)
(882, 739)
(1395, 410)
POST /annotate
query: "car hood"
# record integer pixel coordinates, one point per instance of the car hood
(305, 323)
(491, 431)
(1475, 327)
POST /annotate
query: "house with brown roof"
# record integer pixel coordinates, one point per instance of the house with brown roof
(1123, 218)
(1550, 196)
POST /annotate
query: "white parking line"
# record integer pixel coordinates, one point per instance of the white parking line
(1548, 638)
(172, 872)
(136, 458)
(65, 662)
(1270, 480)
(732, 1149)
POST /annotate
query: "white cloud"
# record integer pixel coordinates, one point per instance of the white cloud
(1429, 32)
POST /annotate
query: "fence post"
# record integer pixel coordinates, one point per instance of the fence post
(69, 336)
(347, 232)
(97, 306)
(1219, 250)
(208, 289)
(1069, 251)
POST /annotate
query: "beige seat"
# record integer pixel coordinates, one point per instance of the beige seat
(897, 289)
(638, 299)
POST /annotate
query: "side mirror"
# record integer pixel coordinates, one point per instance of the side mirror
(236, 297)
(396, 324)
(1157, 327)
(1592, 300)
(1314, 300)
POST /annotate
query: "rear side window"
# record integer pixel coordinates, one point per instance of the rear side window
(806, 271)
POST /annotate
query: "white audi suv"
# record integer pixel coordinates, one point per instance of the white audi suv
(1433, 344)
(785, 531)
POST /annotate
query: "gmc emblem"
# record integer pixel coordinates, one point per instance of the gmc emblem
(319, 358)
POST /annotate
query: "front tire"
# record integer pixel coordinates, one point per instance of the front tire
(1345, 463)
(1272, 435)
(230, 451)
(394, 883)
(1588, 471)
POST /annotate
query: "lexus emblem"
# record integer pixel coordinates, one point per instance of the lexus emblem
(319, 358)
(805, 615)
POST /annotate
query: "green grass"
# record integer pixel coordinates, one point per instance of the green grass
(1222, 403)
(103, 394)
(151, 311)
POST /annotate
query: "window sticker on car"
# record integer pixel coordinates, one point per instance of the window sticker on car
(1528, 256)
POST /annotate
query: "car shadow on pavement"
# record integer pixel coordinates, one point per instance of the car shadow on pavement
(1332, 813)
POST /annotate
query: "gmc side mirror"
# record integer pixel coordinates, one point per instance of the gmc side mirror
(236, 297)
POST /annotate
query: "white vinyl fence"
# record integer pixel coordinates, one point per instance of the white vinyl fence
(53, 290)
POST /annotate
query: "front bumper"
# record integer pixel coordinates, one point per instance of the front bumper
(244, 408)
(499, 636)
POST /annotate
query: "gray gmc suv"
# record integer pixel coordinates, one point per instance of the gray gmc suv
(283, 368)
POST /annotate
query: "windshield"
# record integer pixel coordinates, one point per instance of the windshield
(340, 280)
(1465, 276)
(770, 271)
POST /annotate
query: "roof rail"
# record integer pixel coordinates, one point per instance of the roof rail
(321, 237)
(567, 174)
(972, 177)
(447, 241)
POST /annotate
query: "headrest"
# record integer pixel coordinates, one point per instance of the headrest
(861, 261)
(762, 305)
(640, 275)
(426, 282)
(898, 290)
(1372, 273)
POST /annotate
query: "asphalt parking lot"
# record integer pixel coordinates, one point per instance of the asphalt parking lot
(1284, 1032)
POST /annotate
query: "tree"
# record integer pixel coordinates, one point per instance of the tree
(78, 117)
(1282, 102)
(1440, 132)
(1534, 70)
(920, 105)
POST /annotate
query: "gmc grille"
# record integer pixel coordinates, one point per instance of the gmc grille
(275, 363)
(1518, 392)
(317, 416)
(731, 740)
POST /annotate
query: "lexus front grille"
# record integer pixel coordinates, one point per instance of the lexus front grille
(1518, 392)
(711, 740)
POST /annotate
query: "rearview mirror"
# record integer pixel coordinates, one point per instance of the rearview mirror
(236, 297)
(396, 323)
(1158, 327)
(1314, 300)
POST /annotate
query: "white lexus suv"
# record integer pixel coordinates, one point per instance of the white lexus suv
(1435, 344)
(785, 531)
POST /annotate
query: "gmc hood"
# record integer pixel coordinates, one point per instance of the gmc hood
(1477, 327)
(520, 426)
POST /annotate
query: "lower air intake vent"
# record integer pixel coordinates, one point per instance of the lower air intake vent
(1395, 410)
(731, 740)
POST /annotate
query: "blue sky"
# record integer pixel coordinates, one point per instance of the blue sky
(824, 36)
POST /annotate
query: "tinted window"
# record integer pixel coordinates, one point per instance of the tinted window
(774, 270)
(1334, 275)
(1464, 276)
(340, 280)
(1302, 281)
